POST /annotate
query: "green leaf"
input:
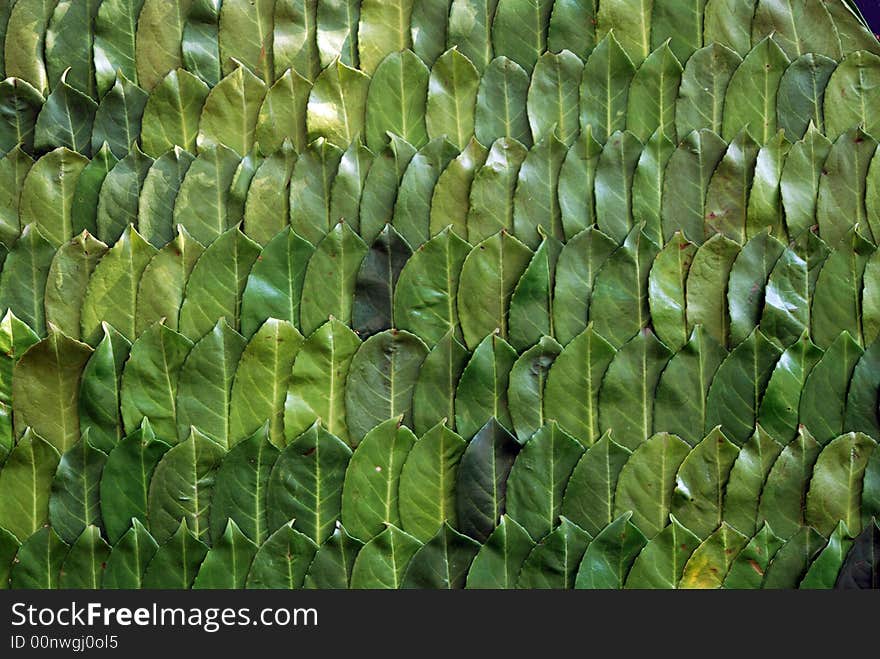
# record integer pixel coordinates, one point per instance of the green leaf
(203, 197)
(74, 503)
(619, 305)
(45, 382)
(317, 385)
(580, 260)
(871, 489)
(69, 39)
(481, 393)
(311, 187)
(119, 196)
(481, 488)
(9, 546)
(282, 115)
(701, 482)
(661, 563)
(747, 569)
(215, 287)
(493, 190)
(412, 209)
(823, 571)
(282, 561)
(836, 486)
(442, 562)
(727, 197)
(531, 306)
(15, 338)
(553, 96)
(666, 291)
(370, 494)
(613, 184)
(25, 484)
(589, 495)
(336, 105)
(434, 391)
(47, 195)
(706, 287)
(852, 95)
(334, 561)
(181, 487)
(380, 381)
(227, 563)
(294, 39)
(14, 167)
(785, 491)
(129, 558)
(205, 384)
(171, 115)
(704, 83)
(571, 396)
(158, 40)
(376, 280)
(626, 396)
(680, 396)
(114, 49)
(149, 380)
(67, 280)
(493, 267)
(25, 41)
(728, 22)
(861, 408)
(21, 104)
(748, 278)
(65, 119)
(348, 184)
(426, 291)
(572, 26)
(84, 565)
(162, 284)
(118, 117)
(497, 564)
(200, 45)
(330, 278)
(125, 483)
(647, 188)
(765, 201)
(539, 477)
(245, 35)
(646, 490)
(519, 30)
(24, 277)
(261, 381)
(525, 390)
(383, 29)
(396, 101)
(778, 413)
(229, 116)
(610, 556)
(799, 27)
(112, 291)
(575, 184)
(681, 24)
(686, 182)
(241, 487)
(382, 561)
(842, 187)
(631, 24)
(554, 561)
(791, 562)
(862, 567)
(653, 92)
(450, 201)
(38, 562)
(452, 98)
(501, 99)
(337, 31)
(799, 184)
(176, 562)
(801, 92)
(427, 482)
(470, 29)
(711, 561)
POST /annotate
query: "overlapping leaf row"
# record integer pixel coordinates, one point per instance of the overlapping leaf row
(644, 194)
(405, 512)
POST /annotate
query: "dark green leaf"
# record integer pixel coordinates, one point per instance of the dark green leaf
(376, 281)
(499, 560)
(282, 561)
(74, 503)
(442, 562)
(176, 562)
(610, 556)
(434, 391)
